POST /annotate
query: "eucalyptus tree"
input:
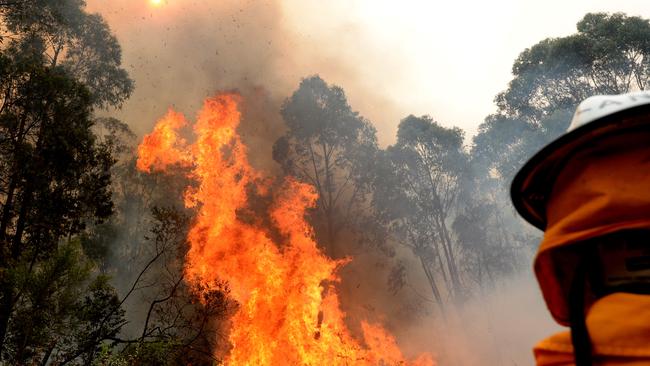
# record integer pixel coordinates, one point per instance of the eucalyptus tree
(417, 193)
(331, 147)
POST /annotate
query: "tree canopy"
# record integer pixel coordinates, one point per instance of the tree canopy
(62, 33)
(57, 65)
(609, 54)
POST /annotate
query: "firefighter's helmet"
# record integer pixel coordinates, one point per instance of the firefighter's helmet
(588, 183)
(596, 116)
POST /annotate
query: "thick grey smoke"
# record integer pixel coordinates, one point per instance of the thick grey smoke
(185, 51)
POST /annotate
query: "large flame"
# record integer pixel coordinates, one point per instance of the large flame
(289, 312)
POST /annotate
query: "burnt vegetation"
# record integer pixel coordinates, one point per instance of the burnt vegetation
(92, 251)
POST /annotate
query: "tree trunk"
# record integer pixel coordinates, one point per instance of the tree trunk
(440, 262)
(449, 256)
(21, 222)
(331, 235)
(6, 307)
(6, 211)
(48, 354)
(8, 301)
(15, 177)
(432, 283)
(330, 209)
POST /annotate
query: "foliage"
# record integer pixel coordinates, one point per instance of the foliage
(609, 54)
(62, 33)
(55, 177)
(63, 312)
(57, 64)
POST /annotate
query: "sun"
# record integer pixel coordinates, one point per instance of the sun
(156, 3)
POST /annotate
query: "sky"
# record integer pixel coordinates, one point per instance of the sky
(393, 58)
(444, 58)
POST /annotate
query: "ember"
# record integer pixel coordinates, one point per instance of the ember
(289, 311)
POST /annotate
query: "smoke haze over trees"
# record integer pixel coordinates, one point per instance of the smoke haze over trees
(92, 250)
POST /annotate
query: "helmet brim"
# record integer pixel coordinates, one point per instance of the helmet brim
(533, 184)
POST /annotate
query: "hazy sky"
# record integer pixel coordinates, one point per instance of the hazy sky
(446, 59)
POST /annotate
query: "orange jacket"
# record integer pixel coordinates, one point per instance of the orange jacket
(619, 329)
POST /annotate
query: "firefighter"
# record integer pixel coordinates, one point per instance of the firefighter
(589, 191)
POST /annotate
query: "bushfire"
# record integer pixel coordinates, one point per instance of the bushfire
(288, 310)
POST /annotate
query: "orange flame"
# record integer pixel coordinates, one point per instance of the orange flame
(163, 147)
(289, 312)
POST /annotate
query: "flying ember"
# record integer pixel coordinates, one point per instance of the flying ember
(288, 310)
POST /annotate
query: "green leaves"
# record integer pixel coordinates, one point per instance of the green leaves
(62, 33)
(63, 311)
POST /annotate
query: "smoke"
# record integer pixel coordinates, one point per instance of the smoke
(184, 51)
(498, 325)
